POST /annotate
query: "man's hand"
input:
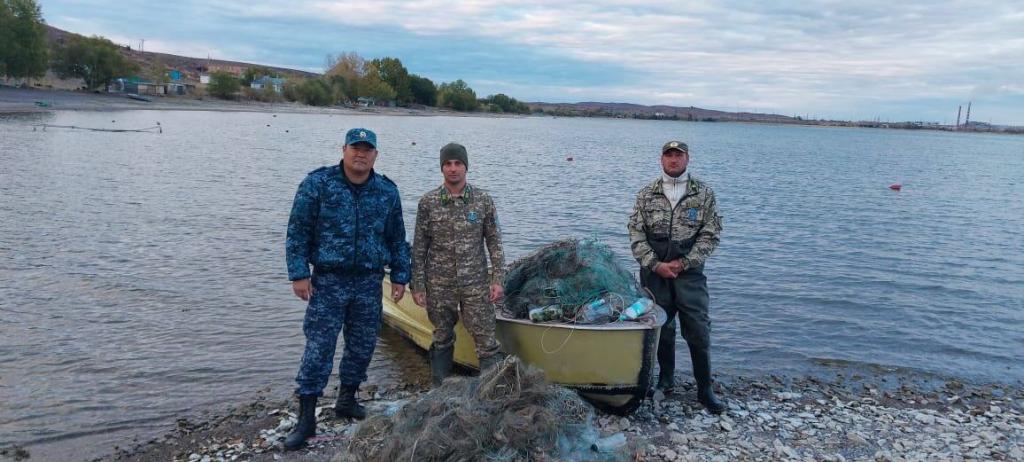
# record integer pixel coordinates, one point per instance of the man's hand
(397, 291)
(420, 298)
(303, 289)
(669, 270)
(497, 292)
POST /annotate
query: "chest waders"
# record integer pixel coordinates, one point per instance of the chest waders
(685, 296)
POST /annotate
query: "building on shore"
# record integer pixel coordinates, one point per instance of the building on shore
(276, 83)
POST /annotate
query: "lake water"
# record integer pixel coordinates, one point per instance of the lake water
(142, 276)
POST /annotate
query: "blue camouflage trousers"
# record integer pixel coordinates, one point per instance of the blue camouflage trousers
(341, 303)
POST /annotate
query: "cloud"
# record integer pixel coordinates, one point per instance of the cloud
(830, 57)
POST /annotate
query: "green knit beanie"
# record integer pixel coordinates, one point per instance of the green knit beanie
(454, 151)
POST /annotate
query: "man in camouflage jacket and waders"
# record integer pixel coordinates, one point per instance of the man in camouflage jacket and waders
(454, 224)
(346, 222)
(673, 229)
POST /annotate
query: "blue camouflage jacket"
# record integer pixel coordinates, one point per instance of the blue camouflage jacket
(338, 226)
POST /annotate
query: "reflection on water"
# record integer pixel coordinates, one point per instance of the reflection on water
(142, 276)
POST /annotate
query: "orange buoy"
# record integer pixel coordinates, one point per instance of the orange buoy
(895, 186)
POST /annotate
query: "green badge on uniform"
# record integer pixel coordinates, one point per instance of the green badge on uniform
(471, 216)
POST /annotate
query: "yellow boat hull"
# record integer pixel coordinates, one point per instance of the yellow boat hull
(610, 365)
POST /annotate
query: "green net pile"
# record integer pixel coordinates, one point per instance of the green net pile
(509, 413)
(568, 273)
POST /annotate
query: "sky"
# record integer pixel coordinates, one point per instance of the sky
(850, 60)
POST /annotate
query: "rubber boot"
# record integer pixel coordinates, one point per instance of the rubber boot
(666, 359)
(491, 361)
(305, 428)
(347, 406)
(441, 363)
(702, 374)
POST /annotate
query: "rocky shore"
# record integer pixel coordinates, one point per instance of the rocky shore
(769, 418)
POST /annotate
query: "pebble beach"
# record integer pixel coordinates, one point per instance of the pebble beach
(769, 418)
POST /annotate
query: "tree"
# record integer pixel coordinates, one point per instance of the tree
(347, 64)
(344, 71)
(23, 50)
(372, 86)
(315, 92)
(95, 60)
(223, 85)
(506, 103)
(340, 88)
(159, 71)
(254, 72)
(392, 72)
(423, 90)
(6, 35)
(457, 95)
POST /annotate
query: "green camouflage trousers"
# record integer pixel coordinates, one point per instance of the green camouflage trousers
(445, 306)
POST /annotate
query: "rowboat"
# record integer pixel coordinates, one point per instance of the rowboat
(609, 365)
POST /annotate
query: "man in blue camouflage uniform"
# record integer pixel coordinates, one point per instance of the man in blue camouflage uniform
(674, 228)
(346, 222)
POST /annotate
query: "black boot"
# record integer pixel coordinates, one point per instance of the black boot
(702, 373)
(491, 361)
(441, 363)
(347, 406)
(305, 428)
(667, 358)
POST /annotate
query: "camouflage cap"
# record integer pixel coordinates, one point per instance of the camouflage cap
(677, 145)
(361, 135)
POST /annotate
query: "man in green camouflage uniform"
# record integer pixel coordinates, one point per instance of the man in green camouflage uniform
(455, 224)
(673, 230)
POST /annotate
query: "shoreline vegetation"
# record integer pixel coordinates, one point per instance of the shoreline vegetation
(844, 417)
(41, 100)
(34, 55)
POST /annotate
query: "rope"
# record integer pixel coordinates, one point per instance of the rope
(156, 128)
(564, 342)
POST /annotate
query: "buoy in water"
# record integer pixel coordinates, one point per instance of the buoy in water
(895, 186)
(569, 158)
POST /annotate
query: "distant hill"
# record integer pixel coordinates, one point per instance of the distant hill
(627, 110)
(153, 64)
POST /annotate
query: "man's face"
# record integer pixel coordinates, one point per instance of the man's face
(454, 172)
(360, 157)
(674, 162)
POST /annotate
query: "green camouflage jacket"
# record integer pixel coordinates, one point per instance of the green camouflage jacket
(691, 230)
(450, 240)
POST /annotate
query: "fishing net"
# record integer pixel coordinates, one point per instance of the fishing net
(568, 274)
(508, 413)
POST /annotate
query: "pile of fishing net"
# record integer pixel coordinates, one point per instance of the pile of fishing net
(508, 413)
(573, 281)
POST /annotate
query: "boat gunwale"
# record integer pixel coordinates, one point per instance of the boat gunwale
(612, 326)
(660, 319)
